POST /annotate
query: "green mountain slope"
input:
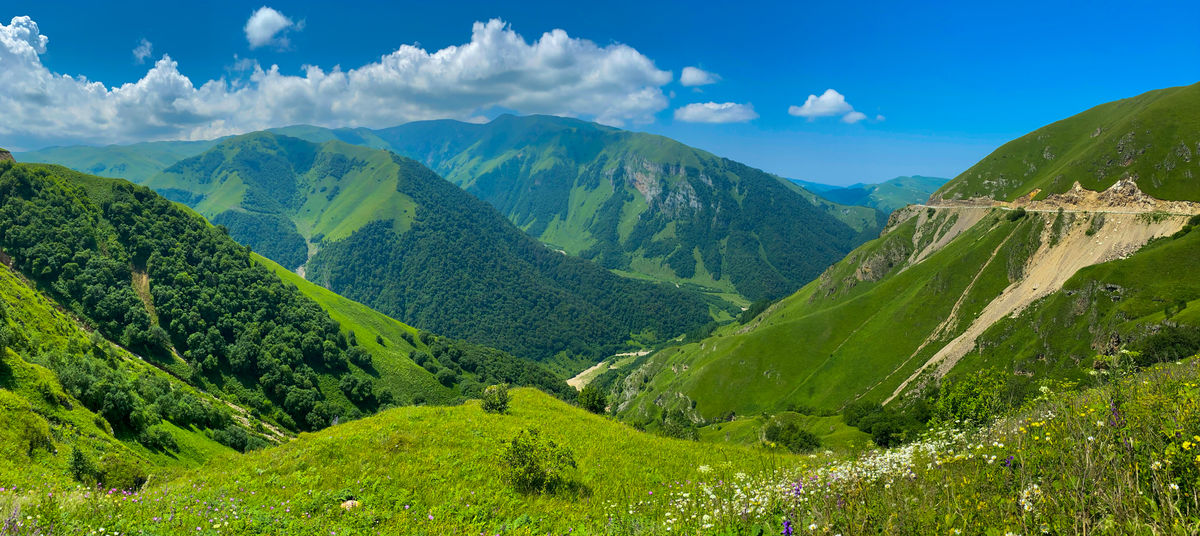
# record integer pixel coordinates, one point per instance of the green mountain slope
(1151, 138)
(390, 233)
(162, 282)
(952, 290)
(63, 392)
(643, 205)
(637, 202)
(889, 195)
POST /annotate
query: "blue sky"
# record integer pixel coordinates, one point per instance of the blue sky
(938, 86)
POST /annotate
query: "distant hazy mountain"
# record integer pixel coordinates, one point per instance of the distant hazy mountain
(134, 163)
(886, 196)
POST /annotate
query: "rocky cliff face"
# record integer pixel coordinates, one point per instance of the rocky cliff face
(6, 156)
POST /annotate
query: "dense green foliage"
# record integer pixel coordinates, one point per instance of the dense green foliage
(592, 398)
(461, 269)
(75, 407)
(230, 318)
(271, 235)
(636, 202)
(395, 236)
(164, 283)
(792, 437)
(534, 463)
(1151, 138)
(495, 399)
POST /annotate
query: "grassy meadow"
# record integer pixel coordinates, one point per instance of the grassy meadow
(1119, 457)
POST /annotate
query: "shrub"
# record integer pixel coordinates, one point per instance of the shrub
(791, 436)
(158, 438)
(854, 412)
(535, 464)
(592, 399)
(1014, 215)
(973, 398)
(82, 467)
(675, 424)
(1170, 343)
(495, 399)
(446, 377)
(359, 357)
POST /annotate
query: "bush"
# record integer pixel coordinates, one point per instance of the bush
(592, 399)
(82, 467)
(535, 464)
(1014, 215)
(855, 411)
(675, 424)
(446, 377)
(791, 436)
(359, 357)
(973, 398)
(1170, 343)
(495, 399)
(158, 438)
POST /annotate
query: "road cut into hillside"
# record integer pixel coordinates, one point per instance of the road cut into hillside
(1104, 226)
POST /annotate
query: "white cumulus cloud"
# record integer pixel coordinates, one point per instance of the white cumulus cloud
(693, 76)
(496, 70)
(716, 112)
(143, 51)
(269, 27)
(828, 104)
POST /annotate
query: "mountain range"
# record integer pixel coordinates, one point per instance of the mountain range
(643, 205)
(232, 343)
(886, 196)
(385, 230)
(1084, 249)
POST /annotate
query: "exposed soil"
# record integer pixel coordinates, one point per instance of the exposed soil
(583, 378)
(1130, 219)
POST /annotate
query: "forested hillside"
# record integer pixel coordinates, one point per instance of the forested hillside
(644, 205)
(166, 285)
(390, 233)
(640, 203)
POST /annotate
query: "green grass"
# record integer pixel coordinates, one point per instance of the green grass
(408, 465)
(1095, 461)
(821, 347)
(832, 430)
